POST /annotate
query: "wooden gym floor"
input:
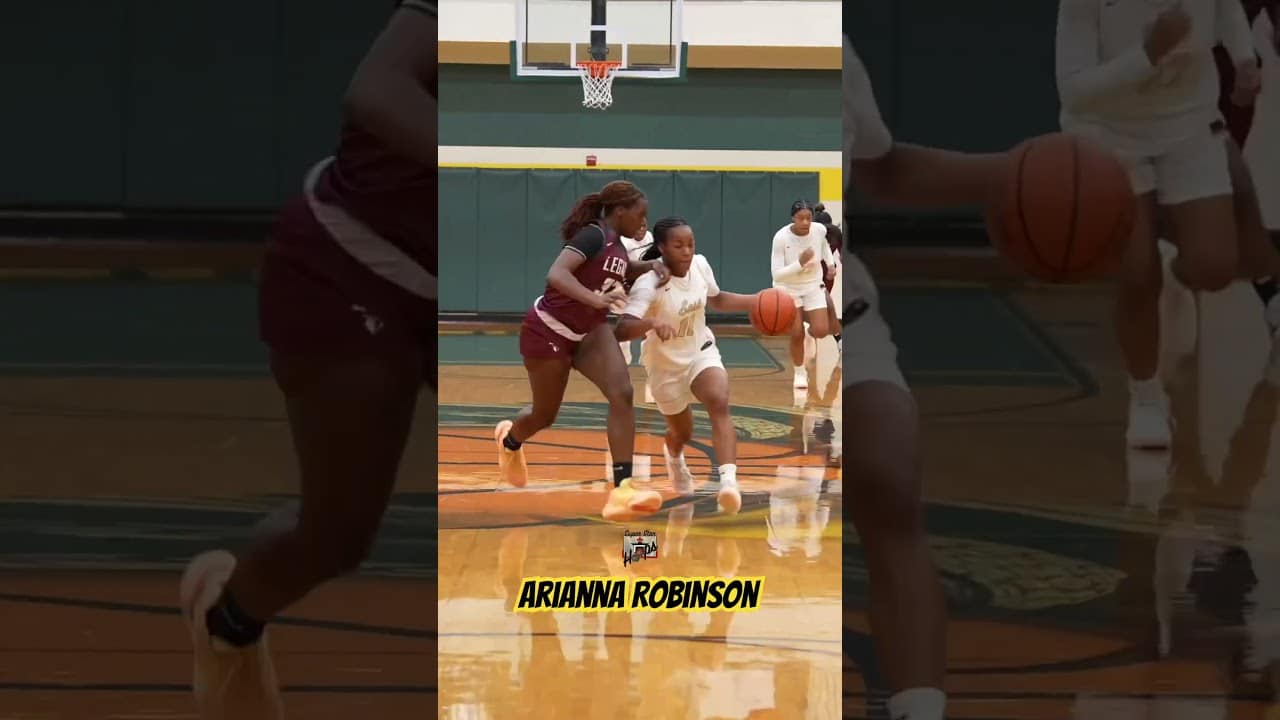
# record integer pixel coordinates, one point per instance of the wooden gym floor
(781, 661)
(1064, 554)
(120, 458)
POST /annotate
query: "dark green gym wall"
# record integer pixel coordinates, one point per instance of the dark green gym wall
(711, 110)
(499, 229)
(137, 104)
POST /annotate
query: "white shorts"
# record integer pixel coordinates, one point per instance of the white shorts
(814, 298)
(869, 352)
(1193, 169)
(673, 388)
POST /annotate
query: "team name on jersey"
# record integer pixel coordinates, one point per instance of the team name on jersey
(615, 265)
(687, 307)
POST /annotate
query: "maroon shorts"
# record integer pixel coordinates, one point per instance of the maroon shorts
(316, 299)
(539, 341)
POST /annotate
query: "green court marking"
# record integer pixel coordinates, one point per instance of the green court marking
(972, 336)
(476, 349)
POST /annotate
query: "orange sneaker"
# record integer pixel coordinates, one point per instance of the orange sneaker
(511, 465)
(626, 502)
(230, 683)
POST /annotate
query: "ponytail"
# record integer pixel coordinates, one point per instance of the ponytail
(595, 206)
(586, 211)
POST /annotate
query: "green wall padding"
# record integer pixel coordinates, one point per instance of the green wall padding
(500, 229)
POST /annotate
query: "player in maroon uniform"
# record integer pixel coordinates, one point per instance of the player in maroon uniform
(1237, 102)
(1237, 110)
(347, 308)
(567, 328)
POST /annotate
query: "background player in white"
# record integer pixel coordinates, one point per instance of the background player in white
(680, 354)
(799, 250)
(882, 457)
(1140, 79)
(636, 248)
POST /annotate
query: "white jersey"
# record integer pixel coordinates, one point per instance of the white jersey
(788, 273)
(1111, 92)
(636, 247)
(682, 304)
(865, 135)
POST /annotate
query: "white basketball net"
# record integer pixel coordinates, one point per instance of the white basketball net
(597, 83)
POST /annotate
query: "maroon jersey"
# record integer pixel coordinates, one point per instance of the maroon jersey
(393, 195)
(1254, 8)
(605, 268)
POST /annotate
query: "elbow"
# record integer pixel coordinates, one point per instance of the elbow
(1070, 97)
(358, 105)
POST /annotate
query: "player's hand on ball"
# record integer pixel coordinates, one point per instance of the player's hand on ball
(663, 331)
(1248, 84)
(806, 256)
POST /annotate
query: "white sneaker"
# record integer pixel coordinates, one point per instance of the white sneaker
(801, 381)
(729, 498)
(230, 683)
(1149, 423)
(678, 471)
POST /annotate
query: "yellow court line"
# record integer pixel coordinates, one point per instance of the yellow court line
(830, 180)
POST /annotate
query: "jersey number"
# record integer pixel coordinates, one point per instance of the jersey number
(686, 327)
(609, 286)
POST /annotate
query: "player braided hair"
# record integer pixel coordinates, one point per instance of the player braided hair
(835, 237)
(799, 205)
(660, 230)
(593, 206)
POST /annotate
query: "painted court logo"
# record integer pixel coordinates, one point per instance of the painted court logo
(577, 594)
(639, 545)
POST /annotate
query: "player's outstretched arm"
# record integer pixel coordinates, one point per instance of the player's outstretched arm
(1085, 82)
(390, 95)
(731, 302)
(914, 176)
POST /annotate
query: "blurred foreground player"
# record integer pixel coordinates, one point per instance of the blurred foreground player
(882, 456)
(347, 306)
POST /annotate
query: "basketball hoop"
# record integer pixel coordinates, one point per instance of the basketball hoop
(597, 82)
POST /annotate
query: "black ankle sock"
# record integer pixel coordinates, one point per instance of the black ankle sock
(621, 471)
(227, 621)
(1266, 289)
(510, 443)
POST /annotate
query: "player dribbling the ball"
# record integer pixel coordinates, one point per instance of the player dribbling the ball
(881, 445)
(680, 354)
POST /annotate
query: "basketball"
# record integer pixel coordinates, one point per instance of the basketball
(773, 312)
(1064, 210)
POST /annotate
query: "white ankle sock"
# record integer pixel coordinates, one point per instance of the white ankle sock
(729, 475)
(918, 704)
(1149, 390)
